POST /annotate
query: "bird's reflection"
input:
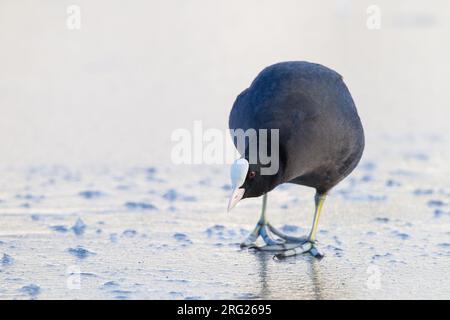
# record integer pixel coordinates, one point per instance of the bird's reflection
(313, 290)
(263, 259)
(316, 279)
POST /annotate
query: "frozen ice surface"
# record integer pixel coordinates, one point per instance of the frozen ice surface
(31, 290)
(79, 227)
(80, 252)
(91, 140)
(91, 194)
(140, 206)
(137, 251)
(6, 260)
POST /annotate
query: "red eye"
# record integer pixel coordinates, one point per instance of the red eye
(251, 174)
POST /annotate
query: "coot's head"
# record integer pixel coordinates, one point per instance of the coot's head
(248, 181)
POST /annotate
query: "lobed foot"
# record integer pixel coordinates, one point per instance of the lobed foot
(261, 230)
(287, 245)
(307, 247)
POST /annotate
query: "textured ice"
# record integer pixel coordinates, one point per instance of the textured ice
(417, 156)
(79, 227)
(193, 251)
(91, 194)
(173, 195)
(363, 197)
(401, 235)
(393, 183)
(226, 187)
(113, 237)
(59, 228)
(335, 250)
(440, 213)
(30, 197)
(382, 219)
(421, 192)
(129, 233)
(140, 206)
(381, 256)
(6, 260)
(31, 290)
(110, 284)
(367, 166)
(181, 237)
(289, 228)
(436, 203)
(215, 230)
(80, 252)
(403, 173)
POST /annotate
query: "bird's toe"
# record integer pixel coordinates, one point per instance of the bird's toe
(287, 238)
(306, 247)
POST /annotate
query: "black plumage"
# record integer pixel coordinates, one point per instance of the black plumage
(321, 135)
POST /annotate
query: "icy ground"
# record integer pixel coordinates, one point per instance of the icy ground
(162, 232)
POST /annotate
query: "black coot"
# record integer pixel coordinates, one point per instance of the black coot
(321, 140)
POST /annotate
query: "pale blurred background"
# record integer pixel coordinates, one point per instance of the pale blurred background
(113, 91)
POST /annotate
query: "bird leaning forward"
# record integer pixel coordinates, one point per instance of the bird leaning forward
(311, 129)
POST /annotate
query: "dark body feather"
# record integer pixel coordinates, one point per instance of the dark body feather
(321, 135)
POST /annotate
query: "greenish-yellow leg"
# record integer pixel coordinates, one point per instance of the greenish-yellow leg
(310, 244)
(288, 245)
(319, 200)
(262, 229)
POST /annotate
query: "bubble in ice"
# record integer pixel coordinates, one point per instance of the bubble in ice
(422, 192)
(110, 285)
(393, 183)
(400, 235)
(6, 260)
(91, 194)
(129, 233)
(439, 213)
(226, 187)
(173, 195)
(436, 203)
(182, 237)
(288, 228)
(31, 290)
(140, 206)
(367, 166)
(59, 228)
(381, 219)
(79, 227)
(30, 197)
(113, 237)
(80, 252)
